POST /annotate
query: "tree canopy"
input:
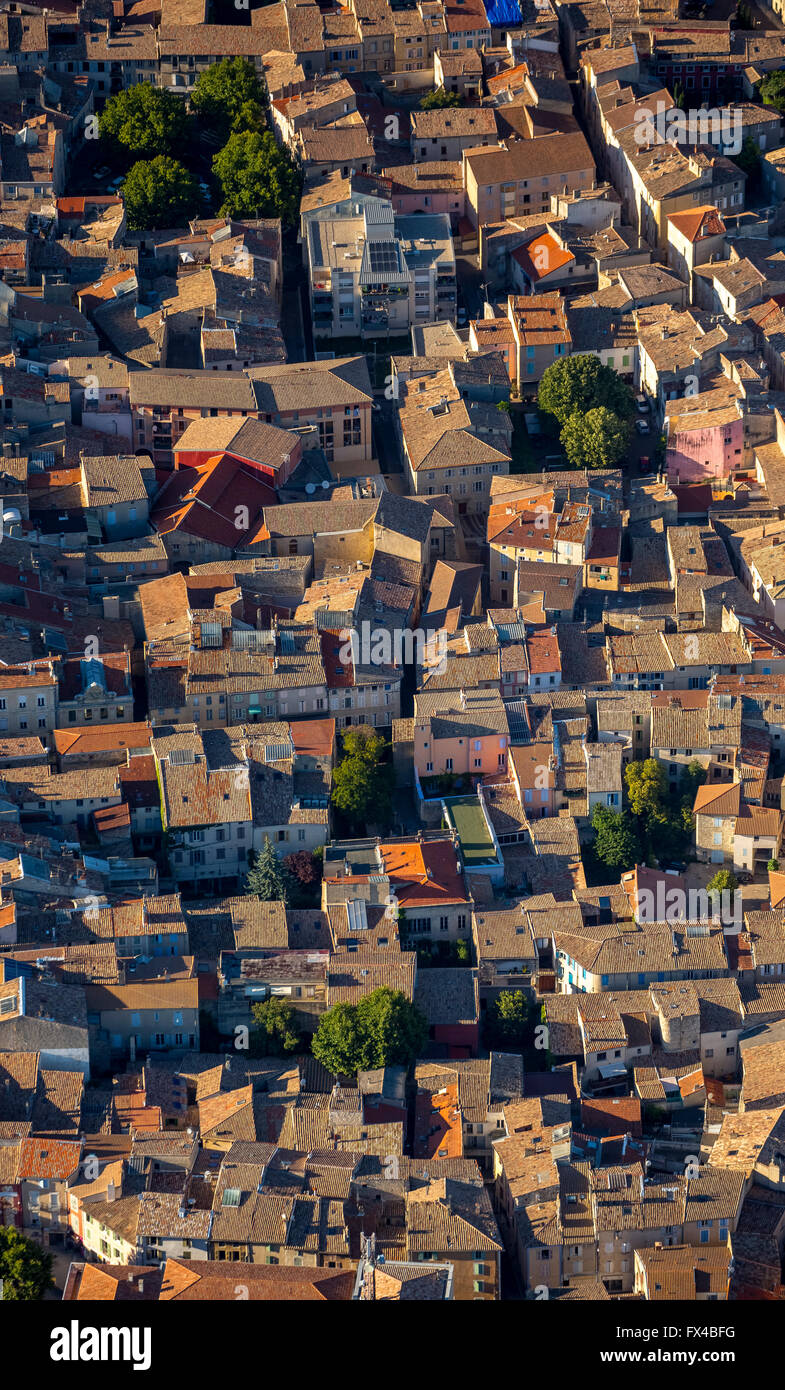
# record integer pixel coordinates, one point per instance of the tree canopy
(144, 120)
(25, 1268)
(257, 177)
(749, 158)
(581, 383)
(362, 781)
(159, 192)
(617, 843)
(772, 90)
(229, 97)
(597, 439)
(267, 878)
(303, 873)
(647, 786)
(724, 881)
(507, 1020)
(383, 1029)
(435, 101)
(275, 1030)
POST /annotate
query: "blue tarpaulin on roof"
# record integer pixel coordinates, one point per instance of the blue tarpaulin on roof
(501, 12)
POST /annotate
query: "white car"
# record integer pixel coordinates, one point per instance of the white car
(642, 403)
(462, 317)
(642, 426)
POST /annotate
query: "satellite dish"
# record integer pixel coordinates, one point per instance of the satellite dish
(310, 488)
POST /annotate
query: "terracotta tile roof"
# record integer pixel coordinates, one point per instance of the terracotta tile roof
(214, 1281)
(49, 1158)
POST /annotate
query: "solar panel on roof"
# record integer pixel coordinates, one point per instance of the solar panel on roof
(277, 752)
(247, 639)
(383, 256)
(333, 621)
(518, 721)
(511, 632)
(211, 635)
(355, 911)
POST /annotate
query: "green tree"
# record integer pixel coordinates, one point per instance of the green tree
(748, 159)
(275, 1031)
(507, 1020)
(463, 953)
(692, 777)
(143, 121)
(383, 1029)
(772, 90)
(616, 843)
(229, 97)
(597, 439)
(581, 383)
(440, 98)
(257, 177)
(724, 881)
(646, 789)
(773, 866)
(362, 782)
(159, 192)
(25, 1269)
(266, 877)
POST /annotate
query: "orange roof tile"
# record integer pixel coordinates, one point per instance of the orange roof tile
(542, 256)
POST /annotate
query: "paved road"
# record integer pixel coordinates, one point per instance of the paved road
(471, 291)
(385, 437)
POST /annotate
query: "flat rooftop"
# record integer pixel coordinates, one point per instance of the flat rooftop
(468, 819)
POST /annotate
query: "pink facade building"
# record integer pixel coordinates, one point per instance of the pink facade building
(705, 438)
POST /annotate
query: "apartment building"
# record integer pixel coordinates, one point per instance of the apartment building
(164, 403)
(378, 274)
(452, 445)
(463, 732)
(152, 1016)
(446, 133)
(332, 398)
(28, 699)
(521, 178)
(282, 675)
(208, 815)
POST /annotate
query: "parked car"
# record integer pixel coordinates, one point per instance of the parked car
(643, 426)
(645, 464)
(462, 317)
(641, 402)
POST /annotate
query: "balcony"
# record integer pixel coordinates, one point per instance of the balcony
(377, 321)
